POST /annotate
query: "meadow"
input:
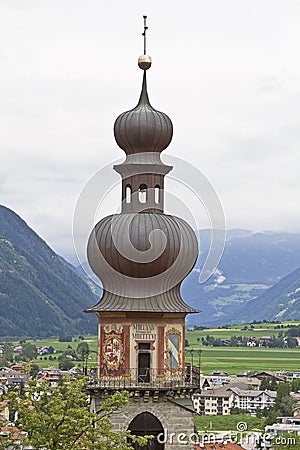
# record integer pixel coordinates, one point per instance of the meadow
(229, 359)
(227, 423)
(236, 359)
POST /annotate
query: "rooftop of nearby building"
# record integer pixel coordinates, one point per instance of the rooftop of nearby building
(219, 446)
(252, 392)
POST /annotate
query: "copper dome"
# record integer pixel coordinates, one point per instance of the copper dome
(143, 129)
(154, 250)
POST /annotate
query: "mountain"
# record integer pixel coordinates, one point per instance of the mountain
(280, 302)
(251, 263)
(40, 295)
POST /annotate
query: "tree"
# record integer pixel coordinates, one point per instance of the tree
(65, 363)
(295, 385)
(65, 338)
(82, 350)
(59, 418)
(268, 383)
(286, 441)
(273, 413)
(29, 351)
(8, 353)
(34, 370)
(284, 403)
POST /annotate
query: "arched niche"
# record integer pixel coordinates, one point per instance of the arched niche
(147, 424)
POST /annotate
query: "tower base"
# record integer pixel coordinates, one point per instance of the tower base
(167, 416)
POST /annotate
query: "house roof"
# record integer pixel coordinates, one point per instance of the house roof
(243, 382)
(219, 392)
(267, 374)
(252, 393)
(219, 446)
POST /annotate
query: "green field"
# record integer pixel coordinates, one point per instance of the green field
(44, 361)
(236, 359)
(229, 359)
(261, 329)
(226, 423)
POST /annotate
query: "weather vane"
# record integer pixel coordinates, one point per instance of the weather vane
(144, 60)
(144, 33)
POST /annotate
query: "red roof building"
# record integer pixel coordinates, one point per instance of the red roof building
(219, 446)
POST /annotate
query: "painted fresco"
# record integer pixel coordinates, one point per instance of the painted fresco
(112, 351)
(173, 349)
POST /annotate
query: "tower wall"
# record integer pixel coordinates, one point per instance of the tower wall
(177, 421)
(123, 338)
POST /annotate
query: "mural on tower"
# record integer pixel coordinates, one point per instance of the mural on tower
(173, 349)
(112, 347)
(113, 351)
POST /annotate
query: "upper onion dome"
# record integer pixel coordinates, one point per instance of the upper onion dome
(143, 129)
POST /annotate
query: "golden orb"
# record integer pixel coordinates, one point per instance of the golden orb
(144, 62)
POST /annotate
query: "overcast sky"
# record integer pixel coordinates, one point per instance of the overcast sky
(226, 72)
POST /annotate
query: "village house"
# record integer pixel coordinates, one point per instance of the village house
(213, 402)
(225, 445)
(245, 383)
(51, 375)
(10, 377)
(252, 400)
(290, 376)
(284, 425)
(279, 376)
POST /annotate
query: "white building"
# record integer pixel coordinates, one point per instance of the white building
(285, 425)
(251, 400)
(213, 402)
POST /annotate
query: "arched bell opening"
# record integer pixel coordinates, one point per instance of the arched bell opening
(147, 424)
(157, 194)
(143, 193)
(128, 192)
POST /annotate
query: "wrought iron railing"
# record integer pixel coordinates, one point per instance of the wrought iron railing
(187, 378)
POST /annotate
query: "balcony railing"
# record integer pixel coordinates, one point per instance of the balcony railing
(187, 378)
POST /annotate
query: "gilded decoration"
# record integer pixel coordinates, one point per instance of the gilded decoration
(173, 349)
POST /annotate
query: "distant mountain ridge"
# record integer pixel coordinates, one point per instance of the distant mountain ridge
(280, 302)
(251, 264)
(43, 295)
(40, 295)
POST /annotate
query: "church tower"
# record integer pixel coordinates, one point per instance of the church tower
(141, 256)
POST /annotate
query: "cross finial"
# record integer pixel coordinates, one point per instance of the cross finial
(144, 33)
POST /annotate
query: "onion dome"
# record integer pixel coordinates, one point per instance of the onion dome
(141, 254)
(143, 129)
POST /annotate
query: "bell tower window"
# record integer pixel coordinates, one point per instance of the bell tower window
(143, 193)
(157, 194)
(128, 194)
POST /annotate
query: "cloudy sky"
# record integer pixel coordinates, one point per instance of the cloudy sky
(227, 73)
